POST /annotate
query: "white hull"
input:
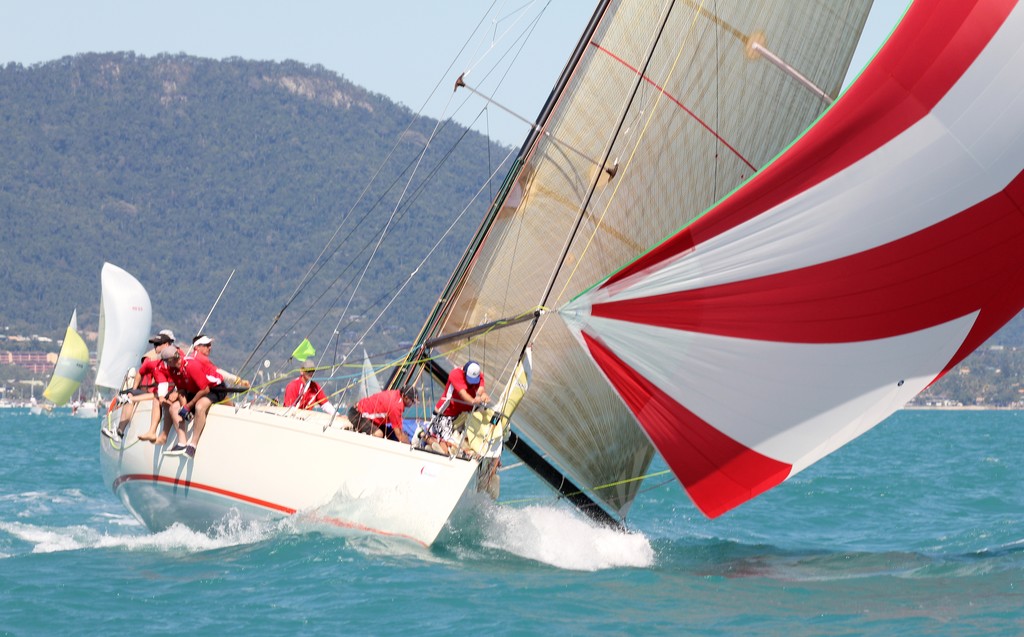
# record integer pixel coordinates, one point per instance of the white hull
(87, 410)
(262, 463)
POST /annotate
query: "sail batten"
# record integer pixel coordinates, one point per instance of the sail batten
(874, 254)
(668, 92)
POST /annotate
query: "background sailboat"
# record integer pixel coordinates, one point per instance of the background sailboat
(368, 381)
(71, 367)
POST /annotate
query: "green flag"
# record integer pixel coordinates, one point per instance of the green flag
(304, 350)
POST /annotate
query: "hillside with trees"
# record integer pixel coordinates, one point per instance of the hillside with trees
(183, 170)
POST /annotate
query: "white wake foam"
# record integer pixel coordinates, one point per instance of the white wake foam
(47, 539)
(564, 539)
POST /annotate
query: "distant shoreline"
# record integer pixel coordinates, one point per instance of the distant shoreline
(961, 408)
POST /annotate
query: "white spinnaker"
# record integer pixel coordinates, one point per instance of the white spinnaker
(125, 319)
(943, 164)
(792, 402)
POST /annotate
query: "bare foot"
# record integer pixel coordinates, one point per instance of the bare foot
(160, 441)
(148, 437)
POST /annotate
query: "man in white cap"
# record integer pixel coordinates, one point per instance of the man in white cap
(205, 386)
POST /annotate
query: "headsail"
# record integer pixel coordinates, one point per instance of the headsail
(125, 319)
(368, 381)
(872, 256)
(72, 364)
(675, 97)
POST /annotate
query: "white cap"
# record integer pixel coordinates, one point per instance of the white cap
(168, 333)
(472, 370)
(203, 340)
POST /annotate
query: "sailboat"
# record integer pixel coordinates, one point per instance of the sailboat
(34, 408)
(71, 367)
(709, 254)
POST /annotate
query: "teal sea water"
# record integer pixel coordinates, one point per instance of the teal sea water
(915, 528)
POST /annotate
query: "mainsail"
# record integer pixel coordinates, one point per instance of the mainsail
(866, 261)
(125, 319)
(72, 364)
(664, 108)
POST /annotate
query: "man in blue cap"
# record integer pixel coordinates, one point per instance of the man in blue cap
(462, 393)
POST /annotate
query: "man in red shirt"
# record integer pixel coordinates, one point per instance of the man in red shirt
(203, 385)
(154, 375)
(463, 391)
(380, 414)
(312, 394)
(174, 360)
(151, 383)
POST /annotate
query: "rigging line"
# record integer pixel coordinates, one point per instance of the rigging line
(461, 83)
(389, 222)
(601, 487)
(636, 146)
(310, 272)
(718, 106)
(661, 91)
(607, 152)
(446, 302)
(521, 11)
(210, 313)
(476, 335)
(754, 44)
(433, 249)
(345, 270)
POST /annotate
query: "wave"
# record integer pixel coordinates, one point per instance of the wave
(177, 539)
(552, 535)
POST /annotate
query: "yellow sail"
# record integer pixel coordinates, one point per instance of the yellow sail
(486, 429)
(72, 363)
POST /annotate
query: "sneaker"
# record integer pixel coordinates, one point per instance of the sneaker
(176, 450)
(108, 433)
(190, 451)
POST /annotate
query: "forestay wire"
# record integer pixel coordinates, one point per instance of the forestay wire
(334, 244)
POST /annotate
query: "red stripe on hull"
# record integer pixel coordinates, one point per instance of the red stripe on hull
(718, 472)
(188, 484)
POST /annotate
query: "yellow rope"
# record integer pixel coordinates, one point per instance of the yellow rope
(398, 361)
(592, 489)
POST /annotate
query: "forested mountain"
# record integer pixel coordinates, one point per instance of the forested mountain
(182, 170)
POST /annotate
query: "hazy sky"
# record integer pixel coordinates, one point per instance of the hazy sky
(400, 48)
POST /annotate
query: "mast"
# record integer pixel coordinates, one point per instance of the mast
(405, 372)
